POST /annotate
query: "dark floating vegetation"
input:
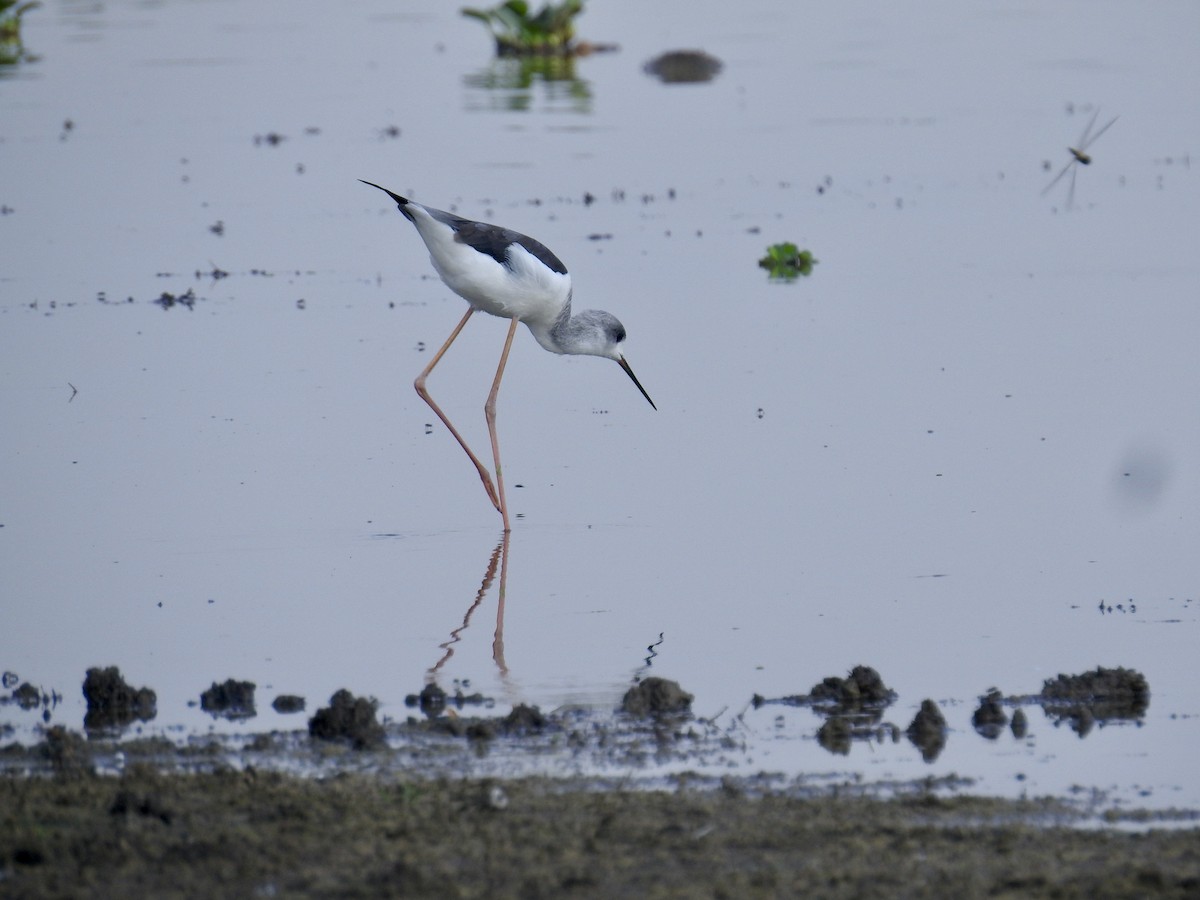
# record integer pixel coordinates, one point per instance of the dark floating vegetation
(787, 262)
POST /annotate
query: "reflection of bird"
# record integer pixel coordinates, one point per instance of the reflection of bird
(514, 277)
(1079, 157)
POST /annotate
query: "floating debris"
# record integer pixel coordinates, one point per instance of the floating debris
(271, 139)
(683, 67)
(166, 300)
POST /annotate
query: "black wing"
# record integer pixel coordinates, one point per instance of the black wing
(494, 240)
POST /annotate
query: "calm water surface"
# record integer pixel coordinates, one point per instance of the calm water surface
(946, 454)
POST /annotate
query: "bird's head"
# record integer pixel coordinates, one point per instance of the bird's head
(598, 333)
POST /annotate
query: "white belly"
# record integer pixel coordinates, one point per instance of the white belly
(525, 289)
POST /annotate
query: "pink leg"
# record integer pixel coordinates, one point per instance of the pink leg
(489, 411)
(419, 384)
(498, 640)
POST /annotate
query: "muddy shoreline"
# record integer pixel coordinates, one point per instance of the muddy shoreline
(446, 804)
(254, 833)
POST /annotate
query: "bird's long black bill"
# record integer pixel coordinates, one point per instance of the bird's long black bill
(628, 371)
(400, 201)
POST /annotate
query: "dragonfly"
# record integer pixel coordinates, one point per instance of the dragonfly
(1079, 156)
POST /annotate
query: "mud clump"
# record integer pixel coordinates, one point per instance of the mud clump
(852, 707)
(656, 697)
(683, 67)
(432, 700)
(113, 704)
(524, 720)
(27, 696)
(836, 735)
(287, 704)
(1019, 725)
(231, 700)
(863, 687)
(1097, 696)
(928, 731)
(348, 718)
(989, 719)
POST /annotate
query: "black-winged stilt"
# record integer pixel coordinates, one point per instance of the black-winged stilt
(509, 275)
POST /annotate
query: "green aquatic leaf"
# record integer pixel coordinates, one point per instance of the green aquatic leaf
(787, 262)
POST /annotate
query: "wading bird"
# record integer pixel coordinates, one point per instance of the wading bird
(509, 275)
(1079, 157)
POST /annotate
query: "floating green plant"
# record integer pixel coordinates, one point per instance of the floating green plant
(11, 49)
(787, 262)
(518, 33)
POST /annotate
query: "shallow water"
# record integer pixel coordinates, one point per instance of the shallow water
(945, 454)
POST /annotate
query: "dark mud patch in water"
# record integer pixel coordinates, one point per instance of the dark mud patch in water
(232, 699)
(348, 718)
(1100, 696)
(112, 703)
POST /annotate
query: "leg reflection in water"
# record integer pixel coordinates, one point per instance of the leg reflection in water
(499, 560)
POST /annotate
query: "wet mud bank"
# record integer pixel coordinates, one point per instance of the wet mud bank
(447, 804)
(252, 833)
